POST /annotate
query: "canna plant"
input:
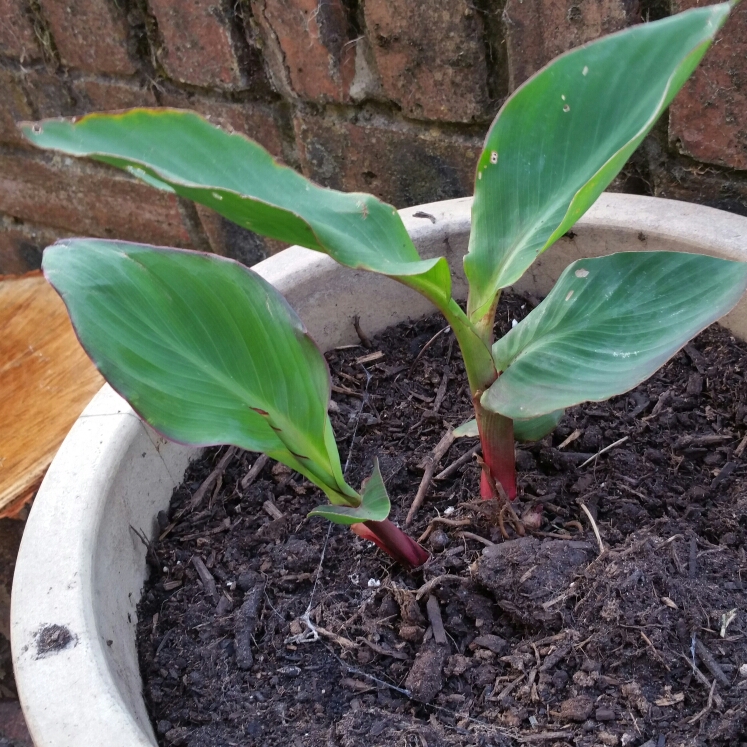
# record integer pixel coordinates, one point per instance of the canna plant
(207, 352)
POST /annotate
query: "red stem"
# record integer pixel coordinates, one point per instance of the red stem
(393, 541)
(497, 438)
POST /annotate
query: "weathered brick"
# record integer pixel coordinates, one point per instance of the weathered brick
(15, 107)
(88, 199)
(90, 34)
(17, 37)
(539, 30)
(256, 120)
(309, 45)
(22, 244)
(708, 119)
(198, 47)
(230, 240)
(96, 95)
(47, 92)
(430, 57)
(402, 164)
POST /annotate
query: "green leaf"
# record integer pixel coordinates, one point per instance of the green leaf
(467, 430)
(182, 152)
(608, 324)
(375, 504)
(204, 349)
(534, 429)
(565, 134)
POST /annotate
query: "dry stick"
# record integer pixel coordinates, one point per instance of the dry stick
(593, 526)
(703, 680)
(437, 623)
(362, 336)
(455, 465)
(710, 663)
(426, 346)
(742, 446)
(253, 473)
(477, 538)
(209, 480)
(205, 576)
(430, 462)
(440, 520)
(604, 450)
(428, 585)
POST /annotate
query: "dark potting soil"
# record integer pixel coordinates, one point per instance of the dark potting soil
(537, 640)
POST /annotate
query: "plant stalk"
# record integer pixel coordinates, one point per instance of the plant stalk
(393, 541)
(497, 439)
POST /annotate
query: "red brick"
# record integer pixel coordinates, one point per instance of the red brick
(256, 120)
(708, 119)
(15, 107)
(401, 164)
(90, 34)
(88, 200)
(539, 30)
(315, 56)
(95, 95)
(21, 245)
(430, 57)
(197, 43)
(17, 37)
(47, 92)
(230, 240)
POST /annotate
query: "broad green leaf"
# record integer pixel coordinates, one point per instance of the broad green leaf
(204, 349)
(565, 134)
(182, 152)
(374, 505)
(608, 324)
(534, 429)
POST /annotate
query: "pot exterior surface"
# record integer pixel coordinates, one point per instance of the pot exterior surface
(81, 564)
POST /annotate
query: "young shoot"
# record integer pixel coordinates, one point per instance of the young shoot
(208, 352)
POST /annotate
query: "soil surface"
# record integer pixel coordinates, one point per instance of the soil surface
(259, 626)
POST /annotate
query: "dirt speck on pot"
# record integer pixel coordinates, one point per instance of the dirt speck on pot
(53, 638)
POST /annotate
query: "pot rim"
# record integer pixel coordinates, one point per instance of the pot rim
(81, 562)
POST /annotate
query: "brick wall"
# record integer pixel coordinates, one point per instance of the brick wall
(391, 97)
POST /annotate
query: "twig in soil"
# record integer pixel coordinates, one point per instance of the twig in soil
(664, 397)
(455, 465)
(245, 622)
(426, 346)
(703, 680)
(604, 450)
(441, 393)
(708, 707)
(205, 576)
(692, 570)
(385, 651)
(656, 654)
(437, 623)
(440, 520)
(740, 449)
(546, 735)
(253, 473)
(209, 481)
(430, 462)
(361, 334)
(429, 585)
(477, 538)
(570, 438)
(272, 510)
(711, 664)
(364, 401)
(593, 526)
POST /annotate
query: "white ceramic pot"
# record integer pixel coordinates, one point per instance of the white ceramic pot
(81, 564)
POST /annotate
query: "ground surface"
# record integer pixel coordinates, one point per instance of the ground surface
(539, 640)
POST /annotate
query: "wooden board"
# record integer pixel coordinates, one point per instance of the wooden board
(45, 382)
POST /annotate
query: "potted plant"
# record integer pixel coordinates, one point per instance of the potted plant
(520, 385)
